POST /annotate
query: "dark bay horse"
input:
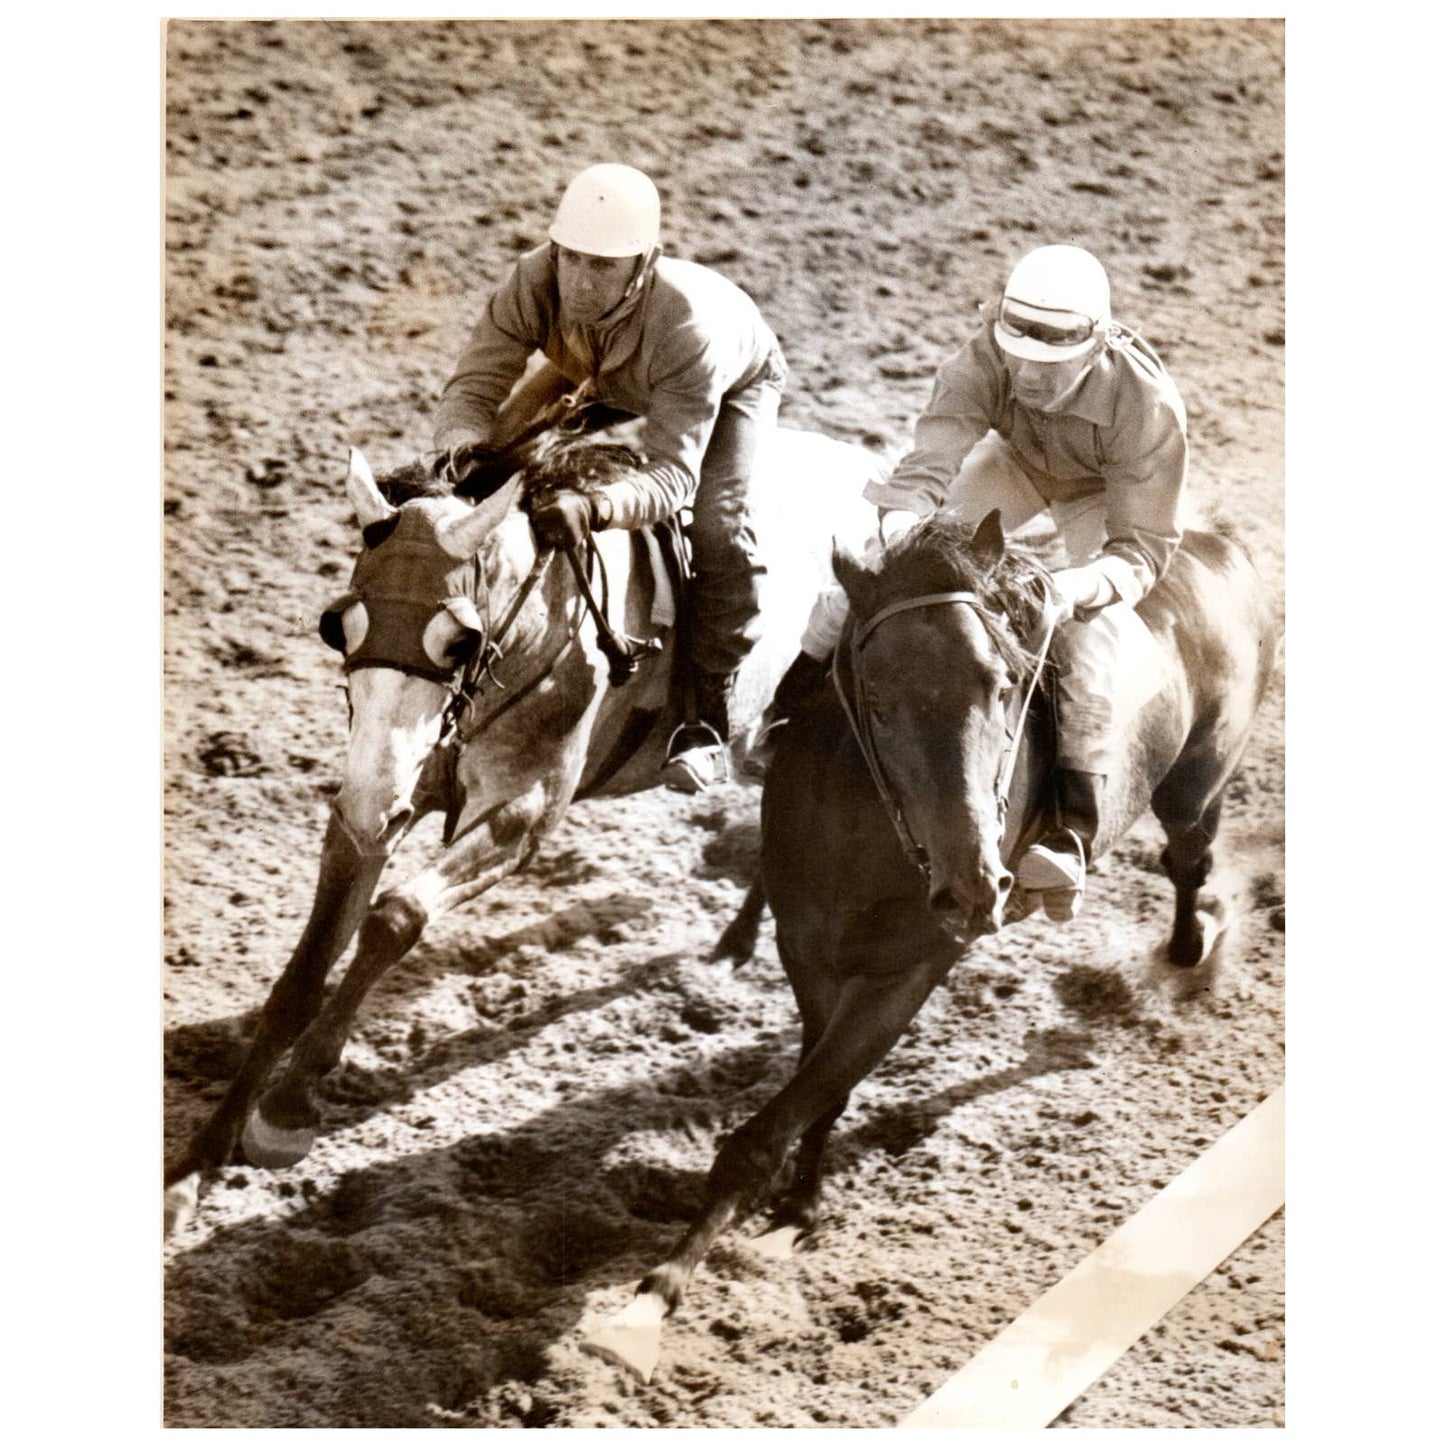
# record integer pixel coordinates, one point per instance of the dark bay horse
(481, 687)
(879, 884)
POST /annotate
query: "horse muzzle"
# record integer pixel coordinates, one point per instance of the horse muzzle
(972, 910)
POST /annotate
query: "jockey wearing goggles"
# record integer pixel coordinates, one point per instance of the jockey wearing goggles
(1050, 405)
(1042, 334)
(664, 339)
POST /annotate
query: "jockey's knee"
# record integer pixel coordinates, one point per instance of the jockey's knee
(727, 618)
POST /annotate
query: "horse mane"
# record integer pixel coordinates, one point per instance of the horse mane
(577, 464)
(565, 456)
(937, 556)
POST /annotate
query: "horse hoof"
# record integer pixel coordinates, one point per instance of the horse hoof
(268, 1147)
(779, 1243)
(736, 946)
(1210, 928)
(633, 1336)
(1191, 949)
(181, 1200)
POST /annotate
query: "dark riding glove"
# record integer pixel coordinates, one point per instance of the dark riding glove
(453, 464)
(563, 519)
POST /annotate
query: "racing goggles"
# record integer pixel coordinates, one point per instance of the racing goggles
(1052, 328)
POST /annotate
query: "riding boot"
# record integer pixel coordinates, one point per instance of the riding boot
(697, 753)
(797, 691)
(1055, 866)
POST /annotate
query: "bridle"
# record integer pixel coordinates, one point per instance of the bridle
(465, 683)
(480, 668)
(860, 720)
(624, 654)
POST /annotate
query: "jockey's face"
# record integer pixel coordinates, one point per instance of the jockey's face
(591, 286)
(1042, 385)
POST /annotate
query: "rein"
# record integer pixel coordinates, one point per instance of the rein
(480, 668)
(624, 654)
(860, 718)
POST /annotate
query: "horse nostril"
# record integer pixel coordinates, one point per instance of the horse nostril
(1005, 881)
(396, 823)
(941, 900)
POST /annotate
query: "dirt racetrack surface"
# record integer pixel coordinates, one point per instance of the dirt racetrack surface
(524, 1116)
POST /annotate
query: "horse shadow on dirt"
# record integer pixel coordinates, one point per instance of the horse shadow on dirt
(529, 1235)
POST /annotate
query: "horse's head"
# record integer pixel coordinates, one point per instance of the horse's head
(938, 663)
(430, 594)
(408, 625)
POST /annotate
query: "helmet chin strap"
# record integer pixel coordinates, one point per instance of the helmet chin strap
(645, 263)
(641, 272)
(629, 297)
(1078, 381)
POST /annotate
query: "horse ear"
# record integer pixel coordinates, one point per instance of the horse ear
(467, 533)
(987, 546)
(366, 499)
(851, 572)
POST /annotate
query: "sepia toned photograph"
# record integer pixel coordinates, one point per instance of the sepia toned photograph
(723, 707)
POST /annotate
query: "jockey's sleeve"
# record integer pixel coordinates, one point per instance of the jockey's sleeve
(512, 327)
(966, 395)
(1147, 451)
(686, 392)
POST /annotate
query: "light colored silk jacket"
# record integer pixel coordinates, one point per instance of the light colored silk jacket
(1122, 433)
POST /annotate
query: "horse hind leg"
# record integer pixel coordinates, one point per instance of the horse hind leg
(1190, 828)
(739, 941)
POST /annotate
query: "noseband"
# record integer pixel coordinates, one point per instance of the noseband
(860, 719)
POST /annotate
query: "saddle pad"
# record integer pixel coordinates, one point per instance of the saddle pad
(652, 556)
(656, 546)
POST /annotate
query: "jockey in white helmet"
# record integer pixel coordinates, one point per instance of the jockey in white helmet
(666, 340)
(1050, 404)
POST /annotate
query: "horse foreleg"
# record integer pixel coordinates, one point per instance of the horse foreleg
(797, 1208)
(282, 1128)
(870, 1015)
(343, 891)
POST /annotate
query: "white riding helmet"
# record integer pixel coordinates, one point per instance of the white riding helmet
(608, 210)
(1055, 304)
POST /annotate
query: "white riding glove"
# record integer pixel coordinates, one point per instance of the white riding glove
(1077, 589)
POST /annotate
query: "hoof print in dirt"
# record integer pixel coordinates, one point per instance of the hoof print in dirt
(229, 755)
